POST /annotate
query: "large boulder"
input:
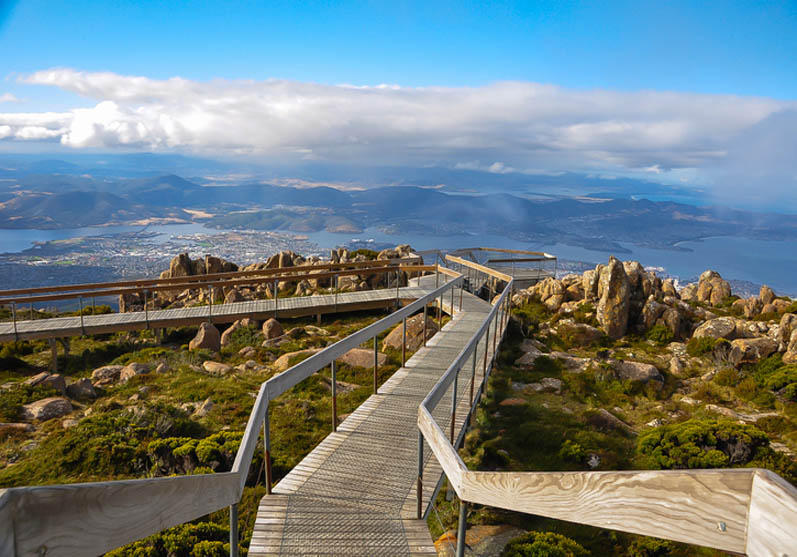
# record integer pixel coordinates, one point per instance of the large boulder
(788, 323)
(47, 409)
(414, 333)
(81, 389)
(578, 334)
(721, 327)
(362, 357)
(638, 372)
(751, 350)
(207, 337)
(106, 375)
(614, 302)
(272, 329)
(712, 288)
(287, 360)
(50, 380)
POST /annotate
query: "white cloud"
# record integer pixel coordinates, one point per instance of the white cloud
(8, 98)
(519, 125)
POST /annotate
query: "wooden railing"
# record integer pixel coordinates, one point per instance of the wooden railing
(751, 511)
(92, 518)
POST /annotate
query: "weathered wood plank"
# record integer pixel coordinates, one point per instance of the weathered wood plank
(772, 522)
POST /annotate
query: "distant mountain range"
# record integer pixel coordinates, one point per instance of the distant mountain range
(573, 209)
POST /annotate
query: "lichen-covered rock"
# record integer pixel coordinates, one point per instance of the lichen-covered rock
(790, 355)
(207, 337)
(639, 372)
(216, 368)
(286, 360)
(272, 329)
(81, 389)
(414, 333)
(106, 375)
(614, 303)
(721, 327)
(131, 370)
(751, 350)
(51, 380)
(788, 323)
(46, 409)
(362, 357)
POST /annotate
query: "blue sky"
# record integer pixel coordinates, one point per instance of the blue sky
(695, 92)
(745, 48)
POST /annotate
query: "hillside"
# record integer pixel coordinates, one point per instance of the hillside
(611, 369)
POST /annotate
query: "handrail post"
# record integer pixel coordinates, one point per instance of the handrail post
(376, 363)
(334, 397)
(452, 300)
(473, 371)
(276, 298)
(495, 333)
(398, 282)
(461, 288)
(82, 326)
(440, 313)
(486, 349)
(424, 324)
(146, 307)
(234, 530)
(404, 342)
(210, 305)
(463, 514)
(419, 488)
(454, 405)
(267, 444)
(16, 334)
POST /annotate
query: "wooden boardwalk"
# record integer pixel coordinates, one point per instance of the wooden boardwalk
(220, 313)
(355, 493)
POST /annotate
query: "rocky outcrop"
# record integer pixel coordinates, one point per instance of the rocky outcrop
(414, 333)
(712, 288)
(614, 291)
(721, 327)
(46, 409)
(207, 337)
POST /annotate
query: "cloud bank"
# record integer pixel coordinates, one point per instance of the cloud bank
(503, 126)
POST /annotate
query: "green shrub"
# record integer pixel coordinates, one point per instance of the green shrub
(698, 346)
(700, 444)
(727, 377)
(543, 544)
(650, 547)
(572, 451)
(12, 399)
(660, 334)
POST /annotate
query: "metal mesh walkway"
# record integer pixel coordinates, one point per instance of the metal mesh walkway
(355, 493)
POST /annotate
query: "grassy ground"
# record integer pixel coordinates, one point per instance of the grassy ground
(136, 429)
(567, 433)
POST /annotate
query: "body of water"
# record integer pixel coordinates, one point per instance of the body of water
(759, 261)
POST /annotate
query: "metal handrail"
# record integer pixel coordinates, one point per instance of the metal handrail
(91, 518)
(751, 511)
